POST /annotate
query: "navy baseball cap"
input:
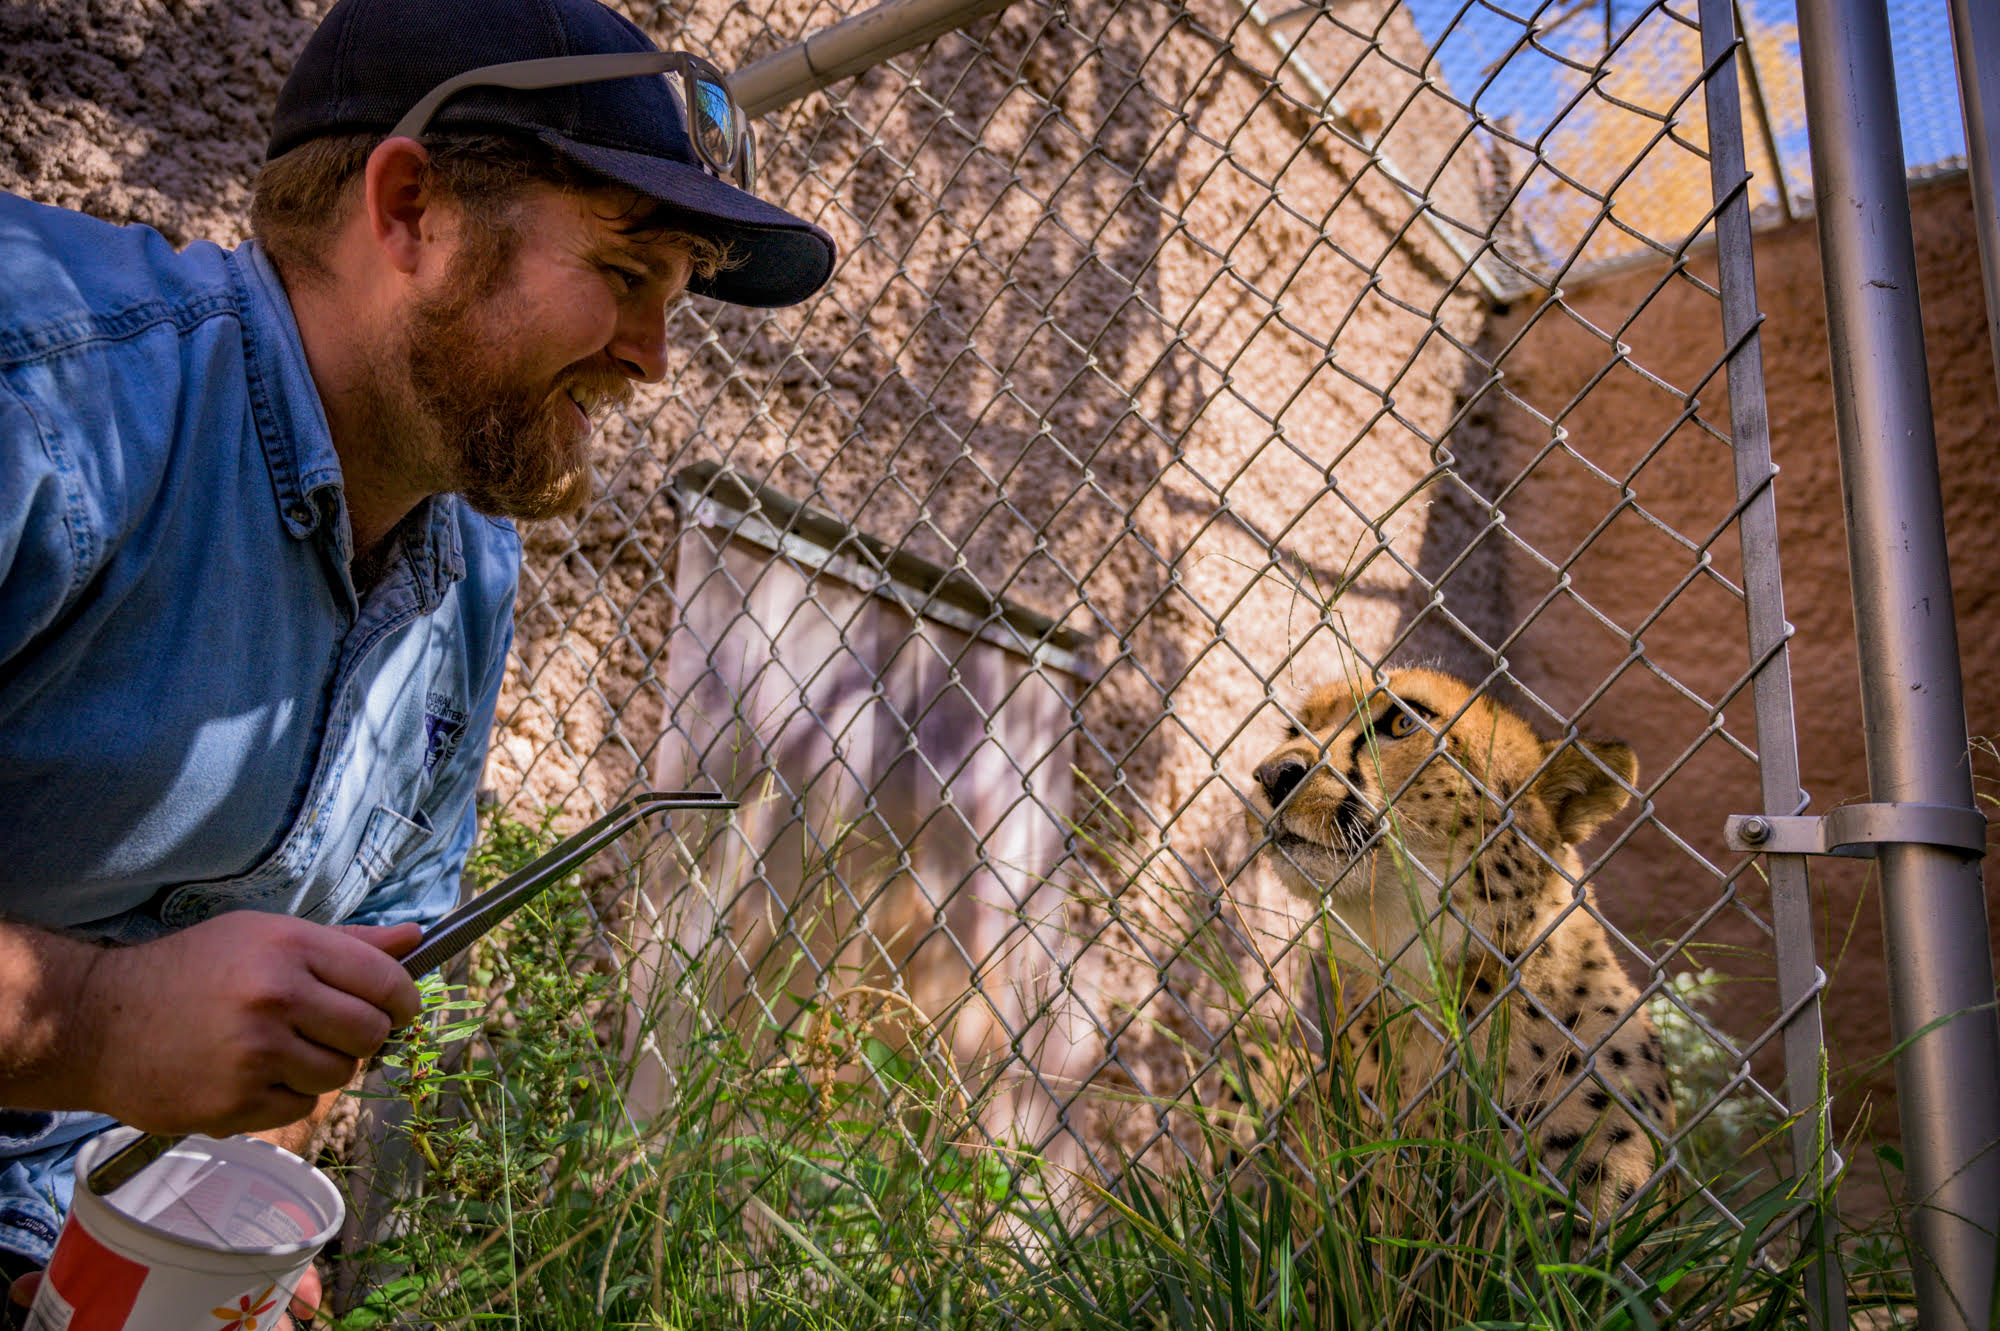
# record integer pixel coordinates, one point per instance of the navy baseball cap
(370, 61)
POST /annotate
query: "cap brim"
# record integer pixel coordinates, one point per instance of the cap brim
(782, 259)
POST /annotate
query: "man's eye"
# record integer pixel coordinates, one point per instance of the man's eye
(628, 279)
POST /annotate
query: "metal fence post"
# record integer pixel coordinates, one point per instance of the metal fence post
(1933, 908)
(1800, 979)
(1975, 39)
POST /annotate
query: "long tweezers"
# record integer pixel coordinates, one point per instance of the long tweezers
(460, 930)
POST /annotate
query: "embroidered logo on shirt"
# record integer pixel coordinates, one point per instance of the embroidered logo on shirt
(28, 1224)
(444, 726)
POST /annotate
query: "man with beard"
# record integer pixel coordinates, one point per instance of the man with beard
(256, 564)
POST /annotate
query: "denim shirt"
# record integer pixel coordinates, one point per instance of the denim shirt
(198, 713)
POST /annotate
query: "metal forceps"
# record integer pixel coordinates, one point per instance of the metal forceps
(460, 929)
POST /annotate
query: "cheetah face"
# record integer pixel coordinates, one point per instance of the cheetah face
(1427, 761)
(1320, 796)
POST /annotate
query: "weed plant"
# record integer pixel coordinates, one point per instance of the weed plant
(822, 1170)
(805, 1173)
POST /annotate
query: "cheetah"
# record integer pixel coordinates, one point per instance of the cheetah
(1369, 813)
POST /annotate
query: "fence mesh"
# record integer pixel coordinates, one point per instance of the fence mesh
(1181, 358)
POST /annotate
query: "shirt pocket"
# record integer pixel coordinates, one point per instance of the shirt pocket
(383, 842)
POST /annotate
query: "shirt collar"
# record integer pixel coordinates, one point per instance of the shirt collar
(438, 560)
(298, 443)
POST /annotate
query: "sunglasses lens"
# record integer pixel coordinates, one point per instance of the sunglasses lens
(714, 123)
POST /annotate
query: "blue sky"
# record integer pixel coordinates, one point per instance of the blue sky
(1473, 37)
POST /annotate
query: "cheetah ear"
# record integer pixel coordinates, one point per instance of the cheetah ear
(1584, 784)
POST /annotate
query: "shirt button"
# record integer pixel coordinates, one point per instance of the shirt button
(301, 514)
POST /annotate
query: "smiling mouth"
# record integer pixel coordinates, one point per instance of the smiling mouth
(585, 408)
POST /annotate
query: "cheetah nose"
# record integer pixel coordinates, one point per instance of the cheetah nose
(1279, 777)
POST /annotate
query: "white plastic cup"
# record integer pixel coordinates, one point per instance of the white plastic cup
(213, 1235)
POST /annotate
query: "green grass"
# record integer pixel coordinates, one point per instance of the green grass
(814, 1166)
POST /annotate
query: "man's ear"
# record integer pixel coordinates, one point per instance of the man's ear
(395, 200)
(1584, 784)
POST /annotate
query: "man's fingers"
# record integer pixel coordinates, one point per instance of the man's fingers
(341, 1022)
(274, 1106)
(23, 1292)
(305, 1299)
(395, 939)
(368, 973)
(277, 1106)
(310, 1068)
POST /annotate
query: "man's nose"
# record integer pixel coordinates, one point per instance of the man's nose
(640, 343)
(1280, 777)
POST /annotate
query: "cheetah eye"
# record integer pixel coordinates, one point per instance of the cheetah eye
(1401, 723)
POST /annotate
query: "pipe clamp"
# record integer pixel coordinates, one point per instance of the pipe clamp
(1857, 829)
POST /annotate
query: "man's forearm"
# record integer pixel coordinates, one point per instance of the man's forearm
(48, 1028)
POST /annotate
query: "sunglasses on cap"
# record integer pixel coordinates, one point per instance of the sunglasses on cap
(716, 124)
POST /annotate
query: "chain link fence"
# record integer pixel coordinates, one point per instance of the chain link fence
(1181, 358)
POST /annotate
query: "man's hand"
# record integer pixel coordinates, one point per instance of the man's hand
(239, 1022)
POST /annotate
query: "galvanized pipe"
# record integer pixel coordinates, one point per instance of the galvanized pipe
(1975, 38)
(850, 47)
(1800, 980)
(1913, 708)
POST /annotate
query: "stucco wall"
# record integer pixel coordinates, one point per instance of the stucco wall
(1654, 885)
